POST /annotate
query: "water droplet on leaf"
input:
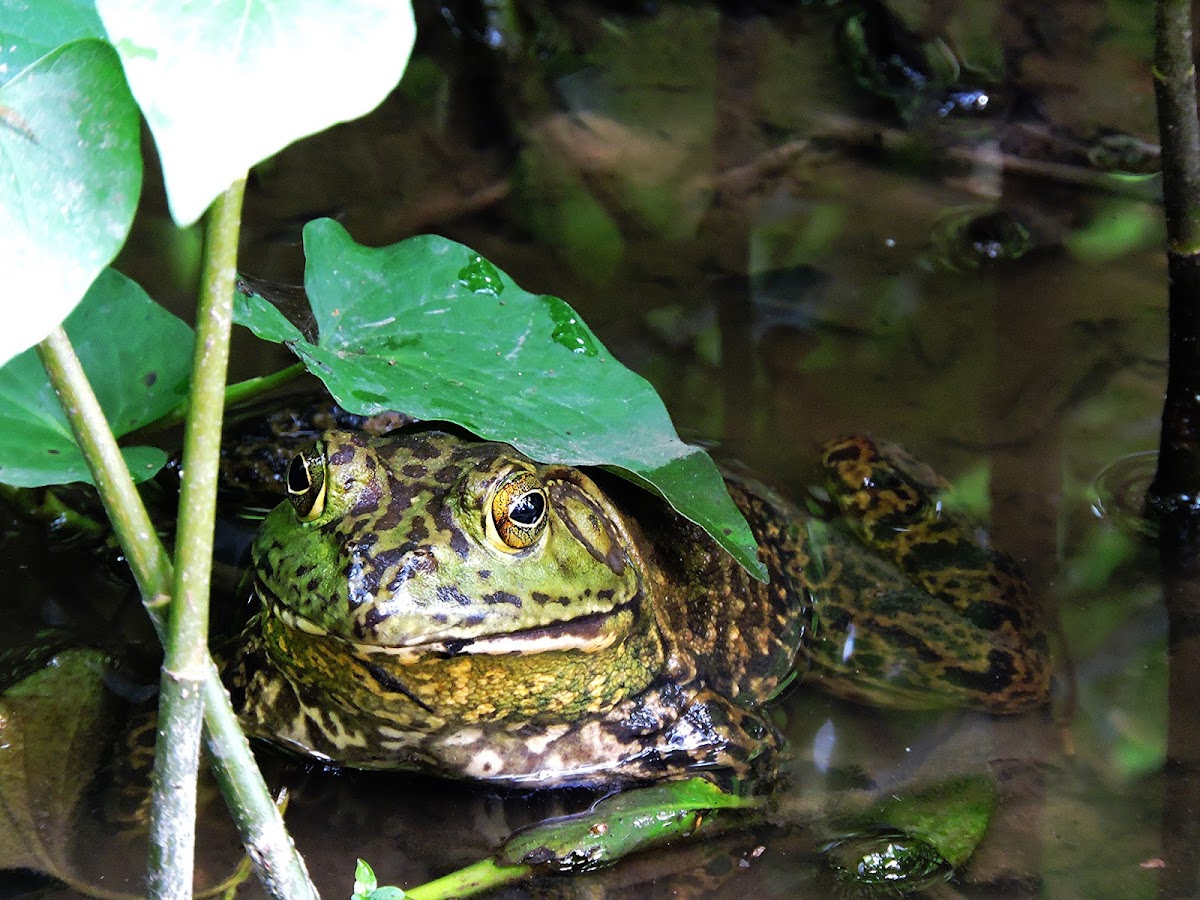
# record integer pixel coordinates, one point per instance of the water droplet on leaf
(480, 277)
(569, 330)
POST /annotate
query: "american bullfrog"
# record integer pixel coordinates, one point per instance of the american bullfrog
(435, 602)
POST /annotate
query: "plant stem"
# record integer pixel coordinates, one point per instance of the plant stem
(1174, 494)
(147, 558)
(180, 703)
(237, 393)
(278, 866)
(473, 879)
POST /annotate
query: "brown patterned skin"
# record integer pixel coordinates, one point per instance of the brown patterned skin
(438, 603)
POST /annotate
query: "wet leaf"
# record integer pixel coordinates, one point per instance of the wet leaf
(51, 745)
(621, 824)
(70, 176)
(429, 327)
(138, 358)
(225, 84)
(951, 817)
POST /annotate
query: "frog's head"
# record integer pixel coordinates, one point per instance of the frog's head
(433, 542)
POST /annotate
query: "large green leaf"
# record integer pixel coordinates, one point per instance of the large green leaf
(70, 175)
(31, 29)
(138, 358)
(429, 327)
(226, 83)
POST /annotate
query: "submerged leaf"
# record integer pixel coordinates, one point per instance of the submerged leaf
(431, 328)
(621, 824)
(912, 841)
(51, 745)
(138, 359)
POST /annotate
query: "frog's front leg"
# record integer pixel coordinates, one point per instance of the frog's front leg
(918, 611)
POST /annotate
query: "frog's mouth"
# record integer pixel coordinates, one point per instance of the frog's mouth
(591, 633)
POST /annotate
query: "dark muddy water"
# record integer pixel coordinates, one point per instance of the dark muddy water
(789, 256)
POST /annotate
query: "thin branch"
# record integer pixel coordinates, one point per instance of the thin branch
(485, 875)
(237, 393)
(1178, 126)
(1174, 495)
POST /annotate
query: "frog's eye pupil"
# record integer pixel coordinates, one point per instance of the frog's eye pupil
(306, 483)
(297, 475)
(528, 509)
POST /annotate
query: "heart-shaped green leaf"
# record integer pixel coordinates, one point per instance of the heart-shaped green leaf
(429, 327)
(138, 359)
(226, 83)
(70, 176)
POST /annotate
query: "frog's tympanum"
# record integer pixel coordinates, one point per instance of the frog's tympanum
(439, 603)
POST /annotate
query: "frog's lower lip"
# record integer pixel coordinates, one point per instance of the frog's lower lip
(585, 634)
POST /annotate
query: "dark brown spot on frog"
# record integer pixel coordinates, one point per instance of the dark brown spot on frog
(367, 501)
(443, 519)
(502, 597)
(423, 449)
(451, 649)
(447, 474)
(413, 470)
(390, 682)
(540, 598)
(369, 622)
(418, 529)
(341, 456)
(363, 546)
(448, 593)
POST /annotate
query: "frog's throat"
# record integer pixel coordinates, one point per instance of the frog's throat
(590, 633)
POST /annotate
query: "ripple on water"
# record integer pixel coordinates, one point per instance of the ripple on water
(1118, 492)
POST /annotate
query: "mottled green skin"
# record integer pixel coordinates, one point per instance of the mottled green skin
(623, 644)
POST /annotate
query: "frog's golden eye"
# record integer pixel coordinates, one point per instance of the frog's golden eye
(517, 516)
(306, 483)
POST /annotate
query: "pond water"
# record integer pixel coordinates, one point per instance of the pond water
(790, 257)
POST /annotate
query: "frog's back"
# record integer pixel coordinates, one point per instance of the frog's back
(738, 636)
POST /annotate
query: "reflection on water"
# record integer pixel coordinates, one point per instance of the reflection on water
(745, 225)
